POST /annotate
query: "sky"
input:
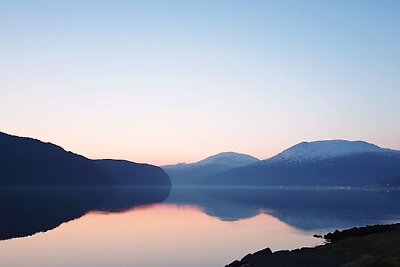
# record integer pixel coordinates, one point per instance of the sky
(175, 81)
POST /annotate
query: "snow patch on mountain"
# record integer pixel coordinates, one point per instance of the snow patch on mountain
(230, 159)
(317, 150)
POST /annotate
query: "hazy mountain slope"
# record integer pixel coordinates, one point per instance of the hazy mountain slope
(335, 162)
(30, 162)
(188, 173)
(229, 159)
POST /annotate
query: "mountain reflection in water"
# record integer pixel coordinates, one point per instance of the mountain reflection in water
(28, 211)
(304, 208)
(182, 226)
(25, 212)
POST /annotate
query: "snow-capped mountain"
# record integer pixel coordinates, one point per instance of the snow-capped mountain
(326, 149)
(229, 159)
(320, 163)
(183, 173)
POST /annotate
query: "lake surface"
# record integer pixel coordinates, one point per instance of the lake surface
(178, 227)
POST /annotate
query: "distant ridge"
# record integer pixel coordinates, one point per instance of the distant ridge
(319, 163)
(30, 162)
(183, 173)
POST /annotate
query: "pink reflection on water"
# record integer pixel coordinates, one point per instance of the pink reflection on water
(152, 236)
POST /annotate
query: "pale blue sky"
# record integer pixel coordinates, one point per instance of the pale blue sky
(170, 81)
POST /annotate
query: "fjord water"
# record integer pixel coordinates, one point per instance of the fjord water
(185, 226)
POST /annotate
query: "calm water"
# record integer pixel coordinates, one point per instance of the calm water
(179, 227)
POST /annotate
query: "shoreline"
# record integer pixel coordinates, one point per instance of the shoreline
(376, 245)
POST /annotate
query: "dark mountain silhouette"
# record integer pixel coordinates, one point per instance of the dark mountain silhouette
(25, 212)
(30, 162)
(129, 173)
(323, 163)
(185, 173)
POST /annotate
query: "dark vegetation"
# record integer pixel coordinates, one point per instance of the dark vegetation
(369, 246)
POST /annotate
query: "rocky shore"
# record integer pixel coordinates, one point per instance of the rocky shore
(377, 245)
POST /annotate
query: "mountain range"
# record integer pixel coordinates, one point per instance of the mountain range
(181, 173)
(319, 163)
(30, 162)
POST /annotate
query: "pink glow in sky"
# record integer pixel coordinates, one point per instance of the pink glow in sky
(165, 83)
